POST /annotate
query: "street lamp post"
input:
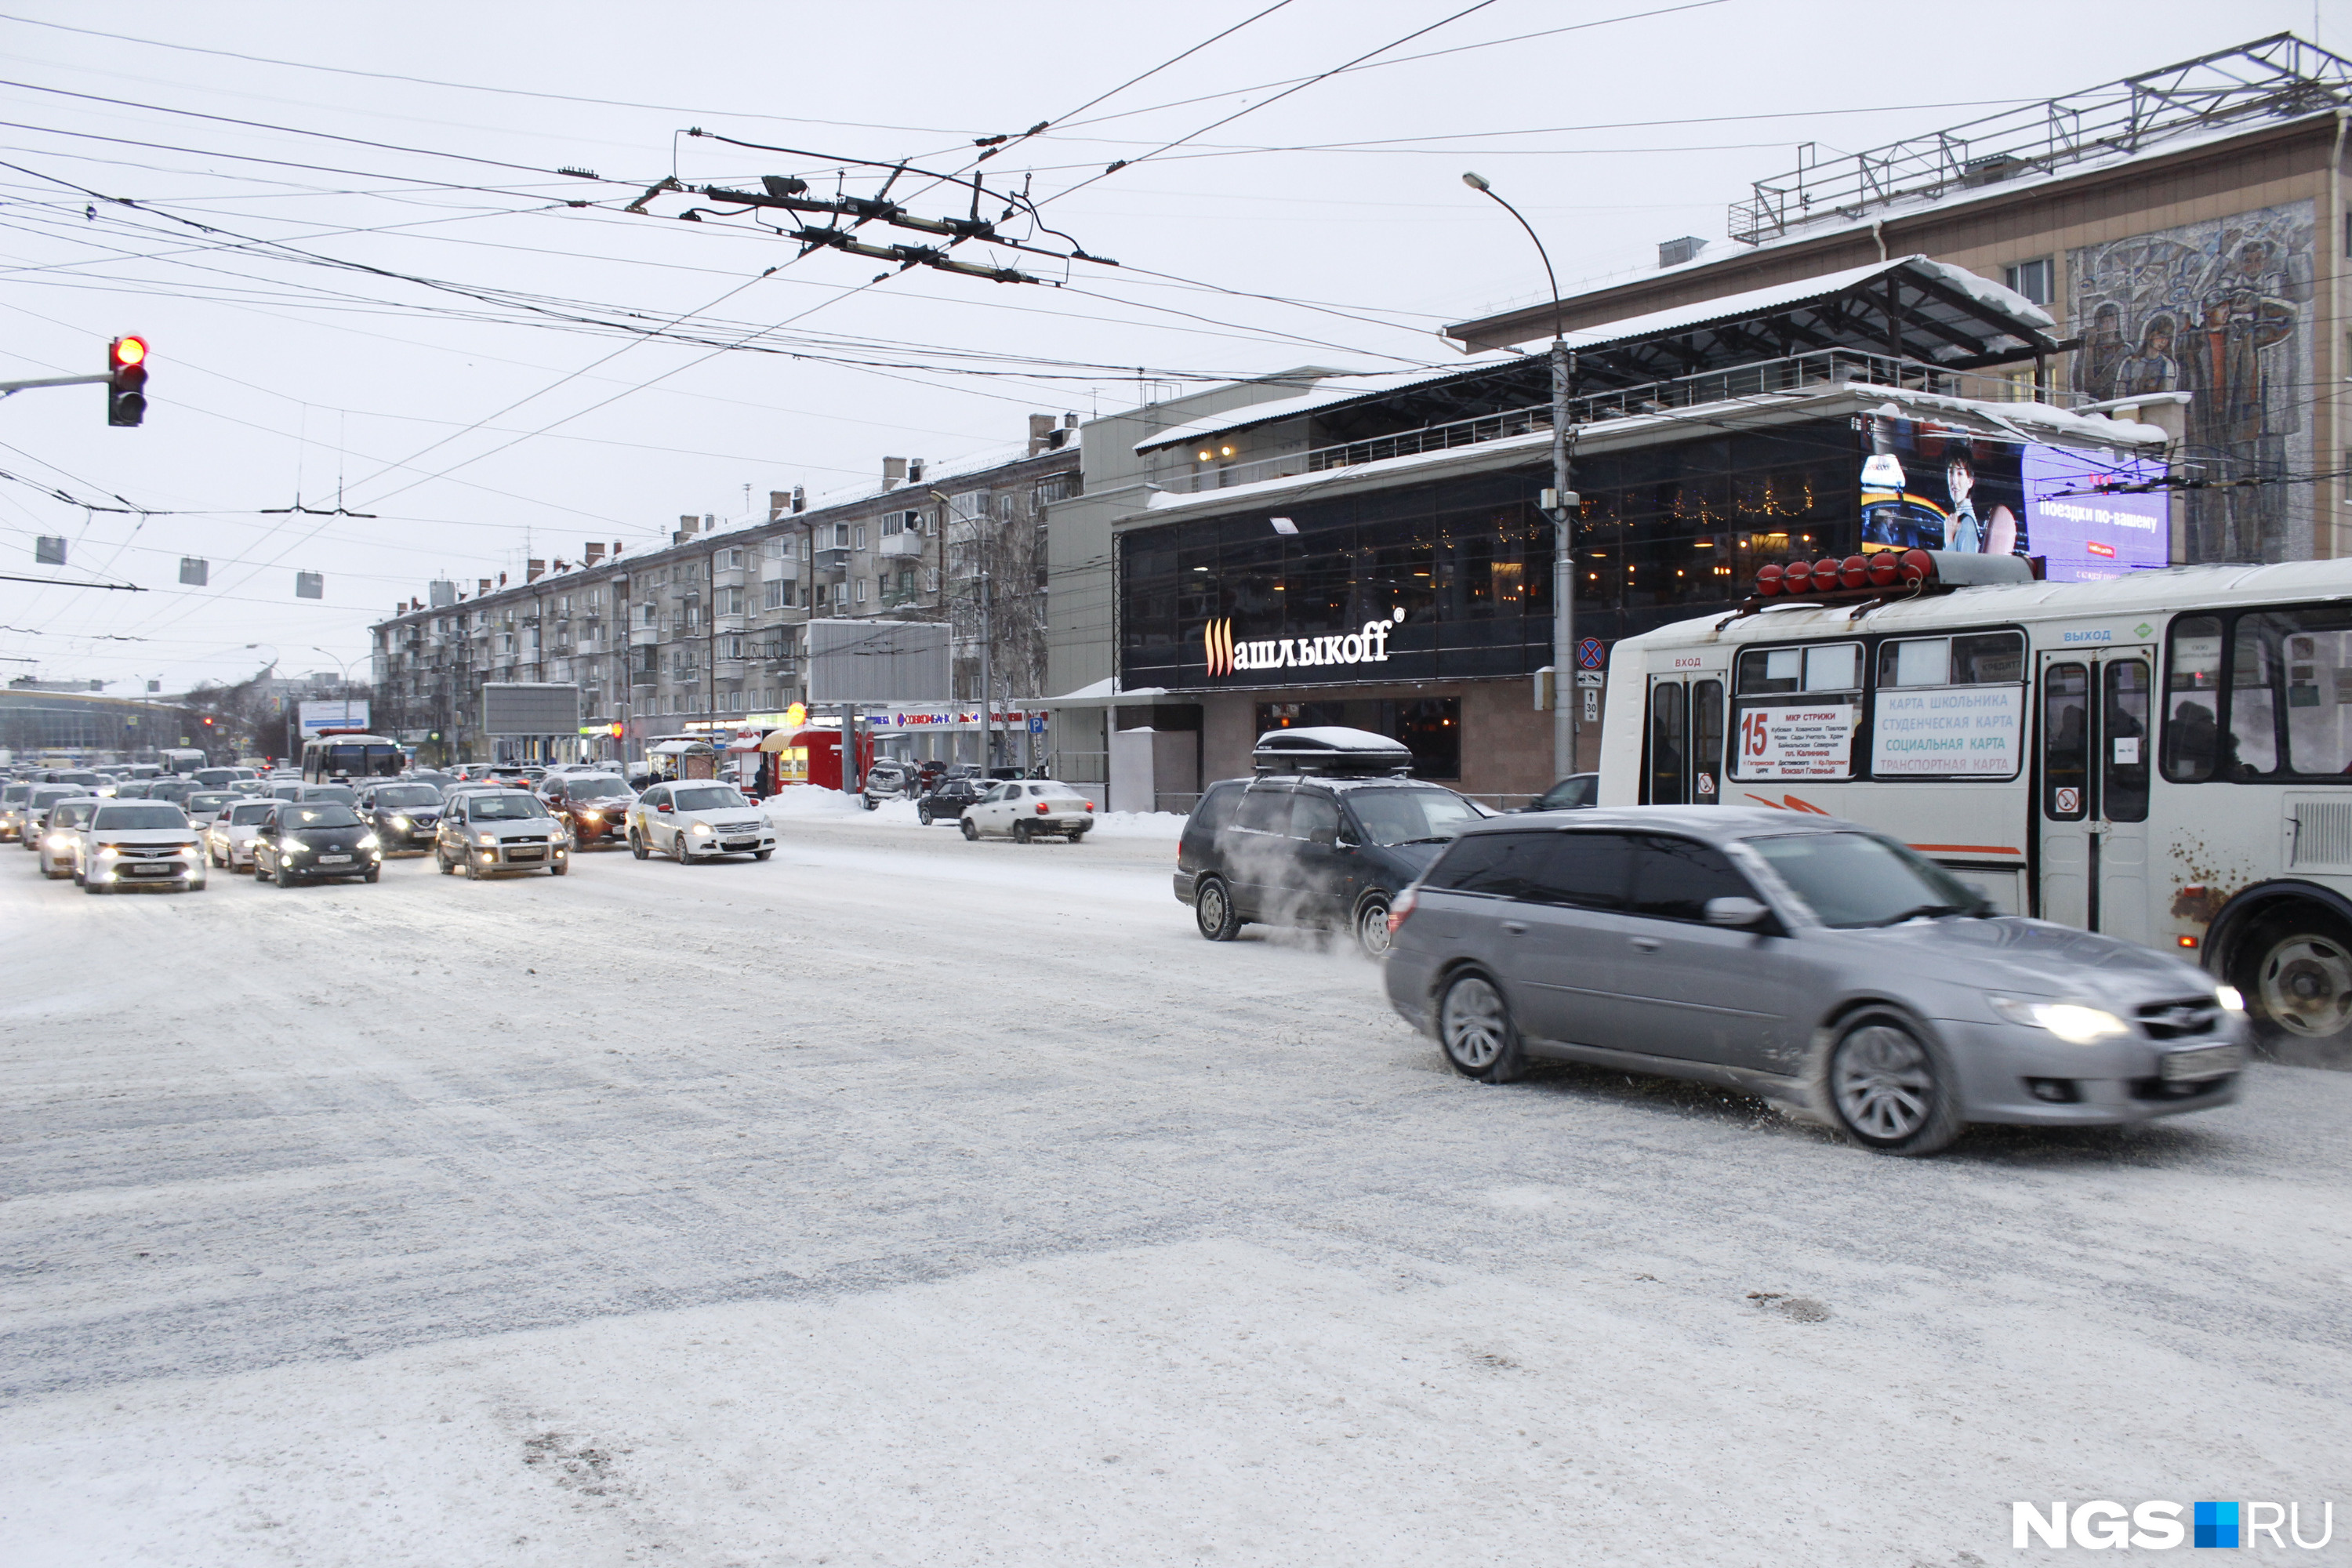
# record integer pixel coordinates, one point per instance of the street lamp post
(1560, 503)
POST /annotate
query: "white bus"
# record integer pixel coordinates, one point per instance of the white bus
(2016, 733)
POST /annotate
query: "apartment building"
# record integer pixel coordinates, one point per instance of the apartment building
(705, 632)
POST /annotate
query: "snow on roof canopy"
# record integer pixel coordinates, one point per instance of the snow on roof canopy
(1911, 308)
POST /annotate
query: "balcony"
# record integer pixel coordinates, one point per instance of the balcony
(644, 636)
(740, 622)
(729, 577)
(731, 668)
(902, 543)
(831, 562)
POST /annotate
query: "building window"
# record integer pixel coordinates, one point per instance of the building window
(931, 580)
(861, 537)
(2030, 278)
(861, 590)
(907, 584)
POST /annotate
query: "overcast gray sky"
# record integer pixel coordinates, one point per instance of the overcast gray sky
(317, 306)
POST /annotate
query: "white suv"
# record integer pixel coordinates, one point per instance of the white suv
(698, 819)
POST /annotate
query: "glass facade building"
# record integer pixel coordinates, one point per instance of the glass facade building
(1451, 580)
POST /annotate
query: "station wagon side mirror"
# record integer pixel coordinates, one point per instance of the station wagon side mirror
(1739, 914)
(1327, 837)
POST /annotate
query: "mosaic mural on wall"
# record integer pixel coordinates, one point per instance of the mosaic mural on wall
(2220, 309)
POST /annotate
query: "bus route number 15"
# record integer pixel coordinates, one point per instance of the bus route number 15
(1753, 739)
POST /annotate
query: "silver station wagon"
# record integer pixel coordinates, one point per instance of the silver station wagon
(1802, 959)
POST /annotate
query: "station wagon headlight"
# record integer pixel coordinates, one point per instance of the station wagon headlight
(2228, 996)
(2070, 1021)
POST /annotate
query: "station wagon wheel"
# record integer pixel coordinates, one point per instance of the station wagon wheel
(1372, 927)
(1889, 1089)
(1475, 1031)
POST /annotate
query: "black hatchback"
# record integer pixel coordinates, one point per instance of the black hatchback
(946, 802)
(310, 840)
(1320, 837)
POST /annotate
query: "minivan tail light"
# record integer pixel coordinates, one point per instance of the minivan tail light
(1401, 910)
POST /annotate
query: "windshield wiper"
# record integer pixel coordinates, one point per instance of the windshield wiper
(1434, 838)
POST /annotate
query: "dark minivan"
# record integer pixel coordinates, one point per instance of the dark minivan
(1327, 834)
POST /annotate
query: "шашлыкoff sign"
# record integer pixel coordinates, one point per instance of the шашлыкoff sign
(1368, 645)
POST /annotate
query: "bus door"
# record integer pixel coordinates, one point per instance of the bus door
(2093, 766)
(1682, 743)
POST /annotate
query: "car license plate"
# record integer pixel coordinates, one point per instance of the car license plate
(152, 870)
(334, 859)
(526, 853)
(742, 844)
(2211, 1061)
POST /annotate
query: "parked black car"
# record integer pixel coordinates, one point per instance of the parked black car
(403, 814)
(1577, 792)
(1328, 833)
(310, 840)
(946, 802)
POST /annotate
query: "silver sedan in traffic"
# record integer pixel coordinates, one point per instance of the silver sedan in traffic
(1813, 963)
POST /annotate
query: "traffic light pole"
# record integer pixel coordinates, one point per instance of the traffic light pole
(8, 388)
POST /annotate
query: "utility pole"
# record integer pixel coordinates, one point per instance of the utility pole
(1561, 504)
(987, 687)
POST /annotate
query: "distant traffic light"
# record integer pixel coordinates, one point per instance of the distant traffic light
(126, 398)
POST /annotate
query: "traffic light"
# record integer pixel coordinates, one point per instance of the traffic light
(126, 397)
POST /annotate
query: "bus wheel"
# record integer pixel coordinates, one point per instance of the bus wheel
(2296, 973)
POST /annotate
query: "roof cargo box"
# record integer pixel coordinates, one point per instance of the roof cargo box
(1329, 749)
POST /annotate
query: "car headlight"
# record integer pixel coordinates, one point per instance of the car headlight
(369, 841)
(401, 823)
(108, 852)
(2228, 996)
(701, 830)
(592, 816)
(486, 840)
(2072, 1022)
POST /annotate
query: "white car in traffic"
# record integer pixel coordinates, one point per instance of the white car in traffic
(58, 832)
(229, 840)
(138, 844)
(1021, 809)
(698, 819)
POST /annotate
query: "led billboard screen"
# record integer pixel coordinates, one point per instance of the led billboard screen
(2085, 535)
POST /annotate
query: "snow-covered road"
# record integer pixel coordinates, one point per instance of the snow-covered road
(908, 1201)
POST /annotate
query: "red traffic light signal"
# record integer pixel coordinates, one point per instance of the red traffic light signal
(126, 368)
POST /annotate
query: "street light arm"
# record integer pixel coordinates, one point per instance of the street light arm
(1549, 277)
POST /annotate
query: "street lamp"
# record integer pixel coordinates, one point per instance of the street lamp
(1561, 503)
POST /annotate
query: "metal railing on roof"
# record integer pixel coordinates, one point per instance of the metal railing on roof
(1804, 373)
(2277, 78)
